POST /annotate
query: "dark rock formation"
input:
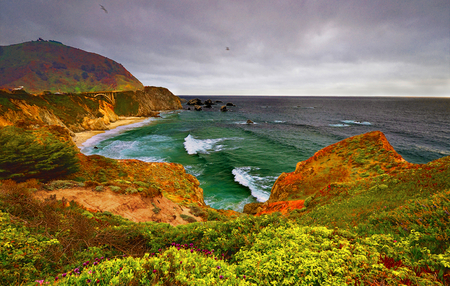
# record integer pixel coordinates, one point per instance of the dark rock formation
(209, 102)
(252, 208)
(195, 101)
(230, 104)
(223, 108)
(198, 108)
(250, 122)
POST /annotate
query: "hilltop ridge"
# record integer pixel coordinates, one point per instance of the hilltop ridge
(39, 66)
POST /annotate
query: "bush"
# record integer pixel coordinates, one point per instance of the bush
(34, 154)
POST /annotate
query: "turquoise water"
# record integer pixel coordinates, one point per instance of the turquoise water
(237, 163)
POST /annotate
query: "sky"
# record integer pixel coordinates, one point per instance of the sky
(254, 47)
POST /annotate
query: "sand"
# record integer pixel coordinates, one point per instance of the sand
(81, 137)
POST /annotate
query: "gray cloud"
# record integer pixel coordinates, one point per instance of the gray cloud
(353, 47)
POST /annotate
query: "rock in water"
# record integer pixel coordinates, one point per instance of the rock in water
(195, 101)
(230, 104)
(209, 102)
(198, 108)
(250, 122)
(223, 108)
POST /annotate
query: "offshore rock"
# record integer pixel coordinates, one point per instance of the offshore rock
(195, 101)
(209, 102)
(198, 108)
(250, 122)
(223, 108)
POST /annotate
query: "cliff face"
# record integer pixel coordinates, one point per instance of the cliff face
(351, 160)
(85, 111)
(51, 66)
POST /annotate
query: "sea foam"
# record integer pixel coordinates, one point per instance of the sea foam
(200, 146)
(254, 183)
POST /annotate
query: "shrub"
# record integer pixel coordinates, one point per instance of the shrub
(34, 154)
(188, 218)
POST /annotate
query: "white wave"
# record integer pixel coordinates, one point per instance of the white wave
(152, 159)
(338, 125)
(279, 121)
(254, 183)
(194, 170)
(356, 122)
(244, 123)
(195, 146)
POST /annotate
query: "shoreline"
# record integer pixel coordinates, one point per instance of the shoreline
(81, 137)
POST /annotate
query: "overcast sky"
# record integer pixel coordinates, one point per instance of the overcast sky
(302, 47)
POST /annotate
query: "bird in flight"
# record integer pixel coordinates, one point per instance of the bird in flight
(103, 8)
(227, 48)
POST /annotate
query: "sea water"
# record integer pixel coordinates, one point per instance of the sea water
(237, 163)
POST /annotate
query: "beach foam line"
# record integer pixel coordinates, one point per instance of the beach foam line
(94, 140)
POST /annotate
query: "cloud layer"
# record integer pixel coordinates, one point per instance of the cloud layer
(298, 47)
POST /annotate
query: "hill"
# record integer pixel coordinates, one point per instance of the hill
(51, 66)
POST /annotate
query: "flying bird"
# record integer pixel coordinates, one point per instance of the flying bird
(103, 8)
(227, 48)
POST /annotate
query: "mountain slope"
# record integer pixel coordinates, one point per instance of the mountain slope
(51, 66)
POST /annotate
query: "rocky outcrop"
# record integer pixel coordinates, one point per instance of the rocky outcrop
(356, 158)
(351, 159)
(153, 99)
(250, 122)
(224, 108)
(198, 108)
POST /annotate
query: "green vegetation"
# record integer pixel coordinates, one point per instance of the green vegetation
(38, 154)
(384, 229)
(64, 242)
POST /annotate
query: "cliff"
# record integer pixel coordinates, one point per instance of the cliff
(352, 160)
(51, 66)
(83, 111)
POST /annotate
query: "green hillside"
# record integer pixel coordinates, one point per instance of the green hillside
(51, 66)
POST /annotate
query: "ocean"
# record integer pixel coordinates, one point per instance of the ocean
(237, 163)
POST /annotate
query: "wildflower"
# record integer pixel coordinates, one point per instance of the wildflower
(181, 262)
(64, 274)
(159, 250)
(192, 250)
(154, 270)
(243, 277)
(98, 281)
(218, 267)
(56, 278)
(221, 276)
(395, 241)
(39, 281)
(95, 263)
(88, 281)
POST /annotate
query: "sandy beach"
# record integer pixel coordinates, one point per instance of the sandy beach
(81, 137)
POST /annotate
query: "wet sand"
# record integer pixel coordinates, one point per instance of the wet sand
(81, 137)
